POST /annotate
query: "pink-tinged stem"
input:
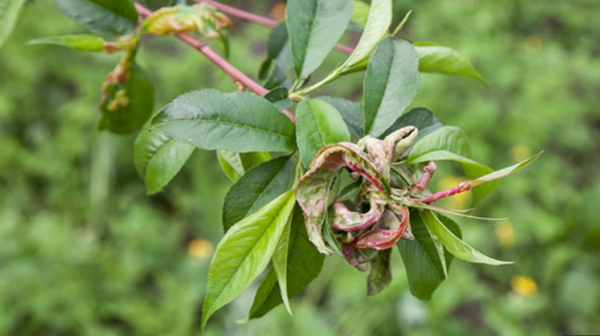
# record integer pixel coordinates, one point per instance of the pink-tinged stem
(233, 72)
(428, 171)
(461, 187)
(241, 13)
(265, 21)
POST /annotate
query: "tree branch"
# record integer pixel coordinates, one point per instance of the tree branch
(233, 72)
(265, 21)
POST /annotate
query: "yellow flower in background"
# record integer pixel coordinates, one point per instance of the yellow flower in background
(520, 152)
(533, 44)
(200, 249)
(278, 12)
(458, 201)
(505, 233)
(523, 285)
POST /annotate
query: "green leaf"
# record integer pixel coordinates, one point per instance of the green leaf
(380, 275)
(314, 26)
(318, 124)
(447, 138)
(78, 42)
(451, 143)
(279, 97)
(419, 117)
(244, 252)
(453, 244)
(436, 58)
(239, 122)
(360, 13)
(279, 48)
(158, 158)
(104, 17)
(256, 188)
(376, 28)
(273, 76)
(235, 165)
(303, 265)
(423, 261)
(9, 14)
(391, 83)
(352, 113)
(279, 261)
(505, 171)
(128, 99)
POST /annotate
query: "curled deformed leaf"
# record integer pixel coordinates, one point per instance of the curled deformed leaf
(314, 186)
(388, 230)
(385, 152)
(182, 19)
(127, 97)
(345, 220)
(185, 19)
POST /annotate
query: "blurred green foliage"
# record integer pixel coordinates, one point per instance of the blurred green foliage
(84, 252)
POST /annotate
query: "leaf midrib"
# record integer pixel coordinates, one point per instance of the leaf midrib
(233, 124)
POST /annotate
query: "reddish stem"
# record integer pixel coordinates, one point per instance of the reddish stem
(461, 187)
(428, 172)
(265, 21)
(233, 72)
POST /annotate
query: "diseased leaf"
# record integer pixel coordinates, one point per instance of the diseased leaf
(239, 122)
(318, 124)
(351, 112)
(314, 187)
(235, 165)
(127, 97)
(451, 143)
(244, 252)
(9, 14)
(303, 265)
(256, 188)
(380, 275)
(158, 158)
(421, 258)
(391, 83)
(104, 17)
(313, 27)
(376, 28)
(453, 244)
(436, 58)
